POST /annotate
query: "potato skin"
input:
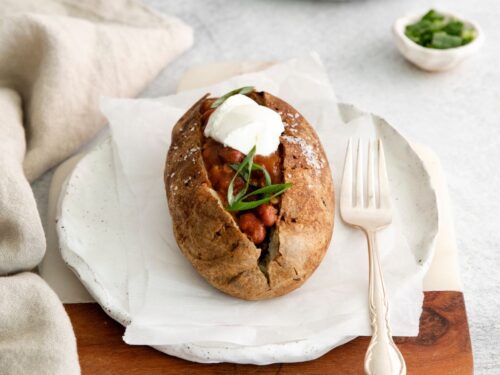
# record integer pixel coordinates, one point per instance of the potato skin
(211, 239)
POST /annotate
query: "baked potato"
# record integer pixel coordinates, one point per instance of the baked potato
(266, 251)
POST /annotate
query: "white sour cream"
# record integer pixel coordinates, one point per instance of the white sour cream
(241, 123)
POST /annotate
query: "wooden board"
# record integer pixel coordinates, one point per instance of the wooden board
(442, 348)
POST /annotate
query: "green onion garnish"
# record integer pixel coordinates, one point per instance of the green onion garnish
(244, 169)
(246, 163)
(255, 167)
(242, 90)
(277, 189)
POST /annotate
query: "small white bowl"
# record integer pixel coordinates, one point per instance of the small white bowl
(430, 59)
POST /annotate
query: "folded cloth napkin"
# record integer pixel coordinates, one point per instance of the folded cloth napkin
(57, 57)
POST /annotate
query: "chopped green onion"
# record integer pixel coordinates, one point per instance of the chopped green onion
(433, 16)
(245, 169)
(246, 163)
(436, 30)
(242, 90)
(255, 167)
(242, 206)
(441, 40)
(454, 28)
(468, 35)
(269, 189)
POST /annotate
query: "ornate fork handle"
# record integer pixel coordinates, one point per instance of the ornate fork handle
(382, 357)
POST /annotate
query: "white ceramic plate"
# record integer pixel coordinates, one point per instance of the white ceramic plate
(91, 238)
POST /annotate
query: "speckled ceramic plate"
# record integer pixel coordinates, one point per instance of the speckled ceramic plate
(91, 238)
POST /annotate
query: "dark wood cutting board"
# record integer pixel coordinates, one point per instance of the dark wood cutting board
(442, 348)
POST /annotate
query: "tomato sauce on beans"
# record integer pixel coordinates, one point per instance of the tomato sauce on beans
(218, 159)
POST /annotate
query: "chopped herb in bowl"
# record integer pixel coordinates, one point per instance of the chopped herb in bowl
(439, 31)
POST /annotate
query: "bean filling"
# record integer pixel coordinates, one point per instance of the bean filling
(257, 222)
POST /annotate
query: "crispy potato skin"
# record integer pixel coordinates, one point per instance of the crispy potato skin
(210, 238)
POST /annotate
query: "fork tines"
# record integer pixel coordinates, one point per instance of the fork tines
(376, 182)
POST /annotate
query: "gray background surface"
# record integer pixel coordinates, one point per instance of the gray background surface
(456, 113)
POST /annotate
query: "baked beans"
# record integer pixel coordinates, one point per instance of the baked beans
(252, 227)
(218, 159)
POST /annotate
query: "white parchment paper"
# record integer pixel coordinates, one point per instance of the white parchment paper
(170, 303)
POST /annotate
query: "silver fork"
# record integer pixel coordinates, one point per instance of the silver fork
(382, 356)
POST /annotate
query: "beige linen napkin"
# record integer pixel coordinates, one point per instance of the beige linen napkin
(57, 57)
(32, 340)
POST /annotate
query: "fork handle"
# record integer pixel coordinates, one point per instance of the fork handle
(383, 356)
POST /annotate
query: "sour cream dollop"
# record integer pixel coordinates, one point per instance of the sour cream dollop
(241, 123)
